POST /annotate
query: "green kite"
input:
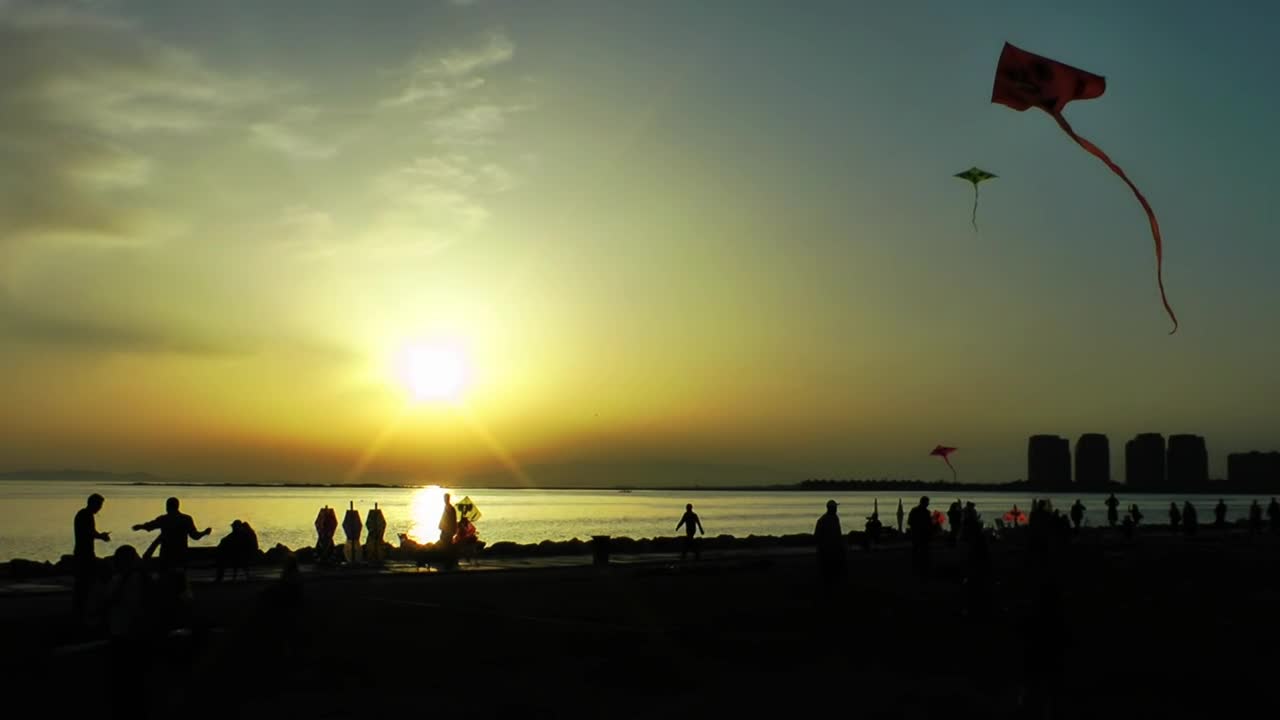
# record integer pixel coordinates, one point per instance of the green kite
(975, 176)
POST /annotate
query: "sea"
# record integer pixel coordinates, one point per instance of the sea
(36, 516)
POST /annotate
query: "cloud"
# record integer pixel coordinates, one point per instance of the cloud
(290, 142)
(81, 94)
(441, 77)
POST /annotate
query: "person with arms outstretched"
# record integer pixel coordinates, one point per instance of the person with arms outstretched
(689, 521)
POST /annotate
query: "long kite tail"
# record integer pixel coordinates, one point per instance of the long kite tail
(954, 476)
(1151, 215)
(974, 220)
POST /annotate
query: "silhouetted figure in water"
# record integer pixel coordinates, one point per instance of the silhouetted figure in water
(237, 549)
(831, 546)
(1220, 514)
(1190, 521)
(1077, 514)
(920, 525)
(84, 559)
(1273, 515)
(1255, 518)
(1113, 512)
(1135, 514)
(955, 516)
(690, 522)
(1175, 517)
(901, 515)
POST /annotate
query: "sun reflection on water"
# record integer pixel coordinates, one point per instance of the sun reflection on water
(425, 509)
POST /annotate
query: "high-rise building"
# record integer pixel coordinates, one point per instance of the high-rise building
(1049, 462)
(1187, 462)
(1254, 471)
(1093, 461)
(1144, 462)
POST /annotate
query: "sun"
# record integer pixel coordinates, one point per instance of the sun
(435, 372)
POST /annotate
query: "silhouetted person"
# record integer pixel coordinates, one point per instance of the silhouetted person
(831, 546)
(175, 528)
(1175, 517)
(1190, 521)
(128, 610)
(448, 522)
(1077, 514)
(237, 549)
(871, 530)
(84, 559)
(1273, 515)
(920, 525)
(1135, 514)
(901, 515)
(972, 522)
(1255, 518)
(955, 515)
(691, 524)
(1220, 514)
(1113, 510)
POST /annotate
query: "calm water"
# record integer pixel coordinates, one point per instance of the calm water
(35, 517)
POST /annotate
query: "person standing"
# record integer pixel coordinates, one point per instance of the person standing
(831, 546)
(448, 522)
(175, 528)
(1077, 514)
(1113, 510)
(690, 521)
(901, 515)
(920, 524)
(84, 559)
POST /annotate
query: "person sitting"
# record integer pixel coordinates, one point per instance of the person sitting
(466, 541)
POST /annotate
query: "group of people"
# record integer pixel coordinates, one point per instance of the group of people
(133, 593)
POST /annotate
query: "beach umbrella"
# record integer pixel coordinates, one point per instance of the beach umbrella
(352, 526)
(376, 524)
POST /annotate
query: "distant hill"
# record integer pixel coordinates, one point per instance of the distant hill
(83, 476)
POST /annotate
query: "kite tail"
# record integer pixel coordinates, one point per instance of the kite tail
(974, 220)
(1097, 152)
(954, 476)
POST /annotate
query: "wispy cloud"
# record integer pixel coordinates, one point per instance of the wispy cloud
(442, 76)
(290, 141)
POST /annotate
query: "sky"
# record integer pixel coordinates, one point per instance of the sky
(668, 242)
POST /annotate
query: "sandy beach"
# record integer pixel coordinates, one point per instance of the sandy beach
(1161, 626)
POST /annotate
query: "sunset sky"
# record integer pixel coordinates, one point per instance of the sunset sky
(664, 238)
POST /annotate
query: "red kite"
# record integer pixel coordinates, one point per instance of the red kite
(1015, 516)
(1026, 80)
(942, 451)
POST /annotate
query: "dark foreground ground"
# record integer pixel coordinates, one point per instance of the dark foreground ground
(1163, 627)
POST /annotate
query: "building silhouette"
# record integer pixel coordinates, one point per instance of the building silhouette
(1049, 462)
(1093, 461)
(1187, 463)
(1144, 458)
(1254, 470)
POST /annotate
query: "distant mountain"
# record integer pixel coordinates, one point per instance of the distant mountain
(83, 476)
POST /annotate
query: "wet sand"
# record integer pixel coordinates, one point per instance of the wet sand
(1165, 626)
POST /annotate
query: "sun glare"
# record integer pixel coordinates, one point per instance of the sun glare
(434, 373)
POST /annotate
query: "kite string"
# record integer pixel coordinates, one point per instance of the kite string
(954, 476)
(1151, 215)
(974, 220)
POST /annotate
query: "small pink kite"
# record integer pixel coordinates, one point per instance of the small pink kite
(943, 451)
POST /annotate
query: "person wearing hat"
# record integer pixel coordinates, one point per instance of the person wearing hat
(831, 546)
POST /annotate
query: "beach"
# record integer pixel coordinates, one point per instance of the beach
(1163, 625)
